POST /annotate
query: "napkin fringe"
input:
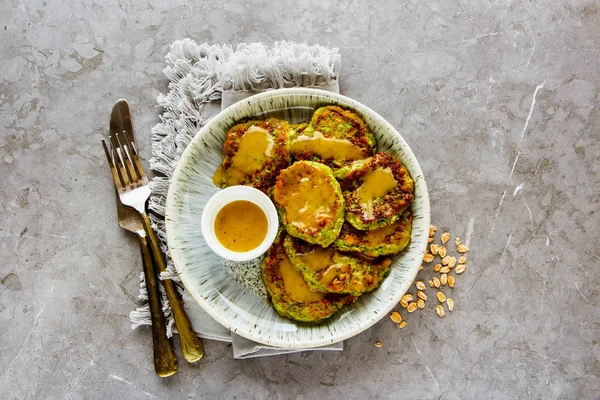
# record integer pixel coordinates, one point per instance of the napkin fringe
(198, 75)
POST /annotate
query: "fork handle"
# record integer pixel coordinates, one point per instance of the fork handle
(191, 346)
(165, 362)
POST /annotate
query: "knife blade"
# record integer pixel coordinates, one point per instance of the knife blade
(165, 362)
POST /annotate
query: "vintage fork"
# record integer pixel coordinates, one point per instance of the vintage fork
(134, 189)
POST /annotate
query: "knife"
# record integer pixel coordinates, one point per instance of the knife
(165, 362)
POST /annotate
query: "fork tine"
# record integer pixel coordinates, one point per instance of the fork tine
(127, 165)
(130, 150)
(130, 165)
(119, 164)
(135, 158)
(130, 141)
(111, 164)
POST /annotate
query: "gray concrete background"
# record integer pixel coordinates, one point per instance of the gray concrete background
(456, 78)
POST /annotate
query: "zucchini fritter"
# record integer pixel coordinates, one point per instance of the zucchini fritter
(386, 241)
(310, 202)
(376, 191)
(253, 154)
(330, 271)
(290, 294)
(299, 127)
(335, 137)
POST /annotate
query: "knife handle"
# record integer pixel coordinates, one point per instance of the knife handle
(191, 346)
(165, 362)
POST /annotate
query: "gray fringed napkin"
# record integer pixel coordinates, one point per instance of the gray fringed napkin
(205, 79)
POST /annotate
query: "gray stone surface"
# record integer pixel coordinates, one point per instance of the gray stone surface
(515, 178)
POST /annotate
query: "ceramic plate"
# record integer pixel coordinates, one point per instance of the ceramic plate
(233, 294)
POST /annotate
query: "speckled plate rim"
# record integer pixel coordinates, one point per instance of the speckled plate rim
(410, 259)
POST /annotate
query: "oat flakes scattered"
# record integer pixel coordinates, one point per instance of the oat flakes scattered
(450, 304)
(445, 270)
(446, 260)
(437, 267)
(457, 241)
(378, 344)
(430, 283)
(436, 281)
(451, 281)
(434, 248)
(407, 298)
(430, 240)
(462, 248)
(420, 285)
(460, 269)
(422, 295)
(444, 279)
(440, 311)
(432, 229)
(441, 297)
(462, 260)
(428, 257)
(396, 317)
(442, 252)
(420, 267)
(411, 307)
(402, 324)
(403, 303)
(445, 237)
(452, 262)
(421, 304)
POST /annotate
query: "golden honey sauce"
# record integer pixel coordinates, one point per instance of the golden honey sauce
(255, 148)
(378, 236)
(322, 259)
(377, 184)
(295, 285)
(327, 148)
(305, 200)
(318, 259)
(241, 226)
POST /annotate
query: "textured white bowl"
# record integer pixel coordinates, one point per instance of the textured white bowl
(206, 276)
(229, 195)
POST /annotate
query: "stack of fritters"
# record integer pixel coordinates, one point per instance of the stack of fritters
(344, 208)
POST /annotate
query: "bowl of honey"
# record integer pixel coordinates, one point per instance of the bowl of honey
(239, 223)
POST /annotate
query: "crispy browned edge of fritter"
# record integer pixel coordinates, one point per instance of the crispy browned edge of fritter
(362, 276)
(299, 127)
(351, 239)
(392, 204)
(331, 227)
(362, 138)
(284, 305)
(281, 132)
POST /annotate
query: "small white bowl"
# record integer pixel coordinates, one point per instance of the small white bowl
(229, 195)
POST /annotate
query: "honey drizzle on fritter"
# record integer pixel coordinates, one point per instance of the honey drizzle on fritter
(318, 259)
(306, 204)
(321, 259)
(295, 285)
(380, 235)
(256, 147)
(377, 184)
(327, 148)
